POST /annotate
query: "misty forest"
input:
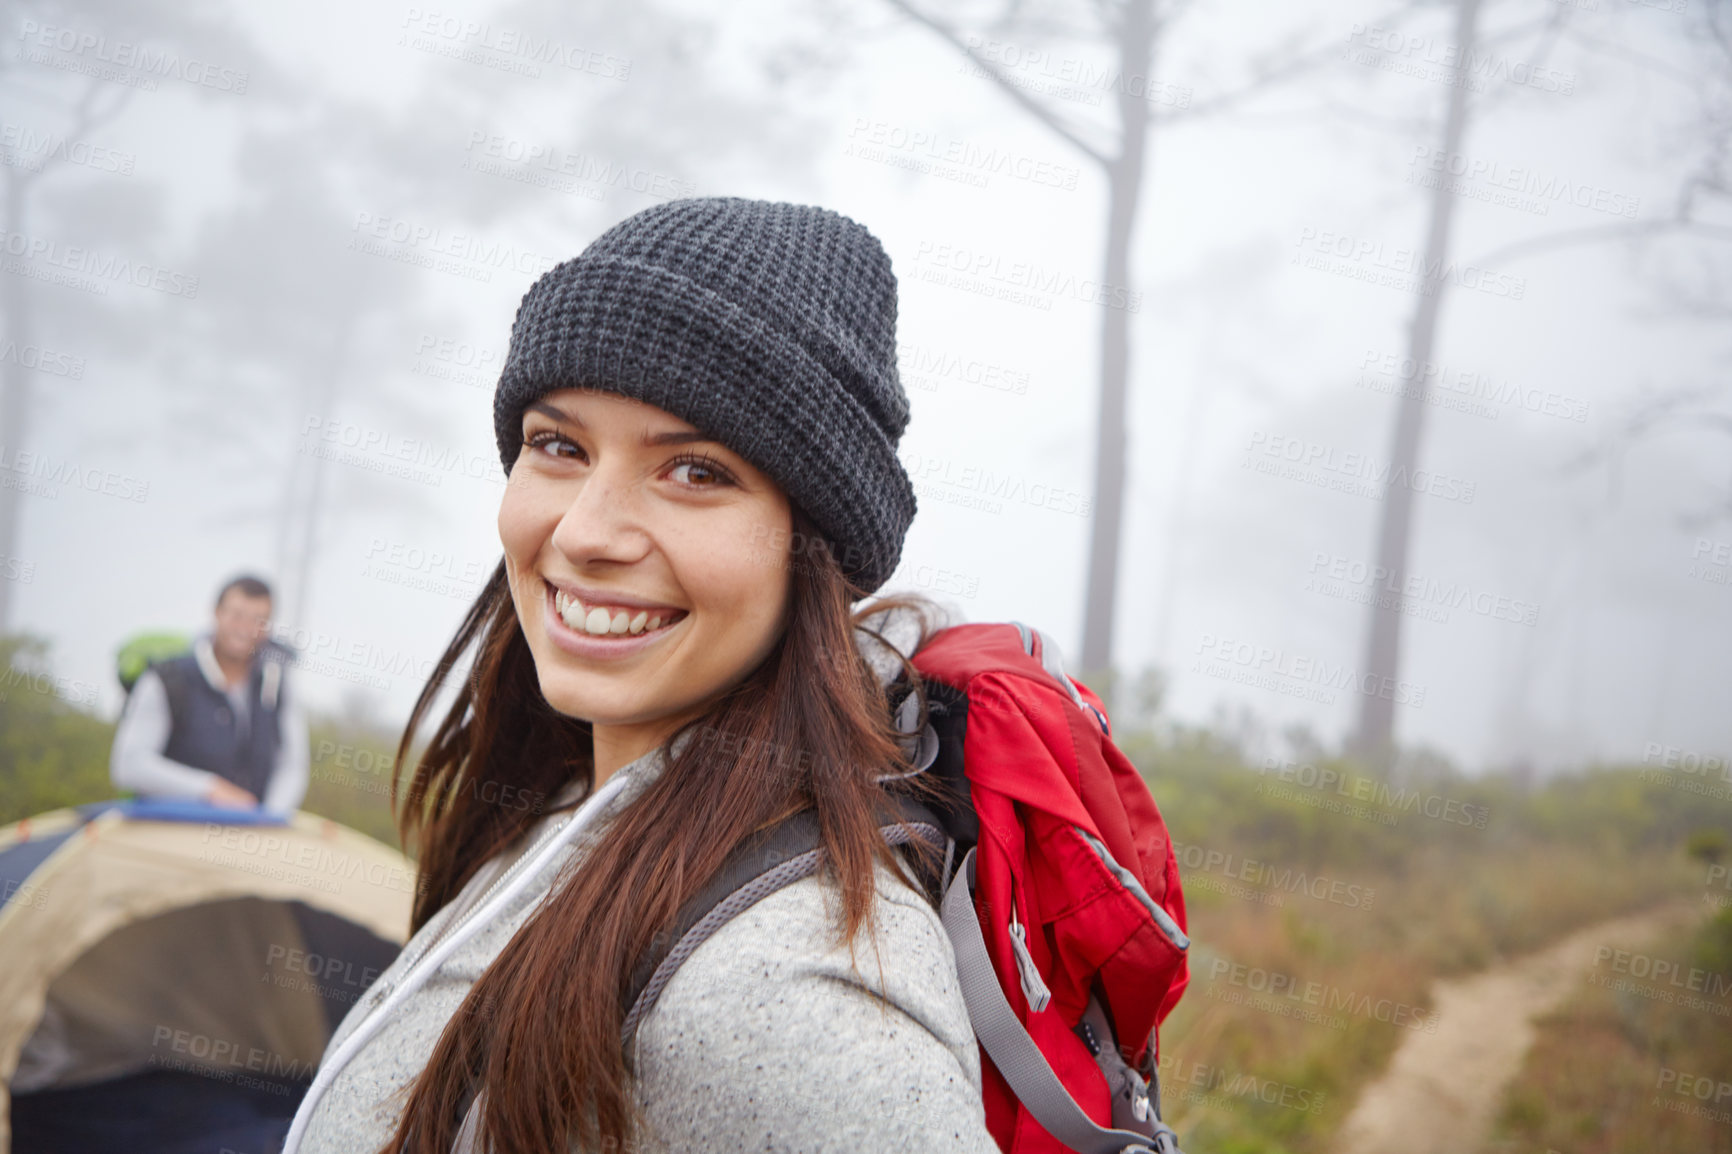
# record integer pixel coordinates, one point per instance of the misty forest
(1341, 386)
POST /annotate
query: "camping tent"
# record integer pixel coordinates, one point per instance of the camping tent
(170, 972)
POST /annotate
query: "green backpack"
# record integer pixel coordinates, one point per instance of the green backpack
(142, 650)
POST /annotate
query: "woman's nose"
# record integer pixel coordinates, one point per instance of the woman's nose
(602, 522)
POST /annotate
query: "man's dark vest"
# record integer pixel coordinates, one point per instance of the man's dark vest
(204, 732)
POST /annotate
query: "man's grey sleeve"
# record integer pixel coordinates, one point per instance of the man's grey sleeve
(137, 763)
(288, 784)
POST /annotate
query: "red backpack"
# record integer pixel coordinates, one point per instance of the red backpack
(1059, 891)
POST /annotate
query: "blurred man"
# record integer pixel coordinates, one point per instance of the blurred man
(218, 724)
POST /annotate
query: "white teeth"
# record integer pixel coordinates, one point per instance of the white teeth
(572, 614)
(599, 621)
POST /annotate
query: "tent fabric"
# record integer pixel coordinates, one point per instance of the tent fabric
(159, 1112)
(20, 858)
(133, 948)
(20, 862)
(199, 989)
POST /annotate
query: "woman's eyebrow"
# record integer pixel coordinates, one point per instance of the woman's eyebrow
(555, 412)
(677, 437)
(650, 440)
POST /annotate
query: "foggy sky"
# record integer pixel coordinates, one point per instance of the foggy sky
(1595, 624)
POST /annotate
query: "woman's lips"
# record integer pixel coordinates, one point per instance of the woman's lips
(585, 644)
(598, 618)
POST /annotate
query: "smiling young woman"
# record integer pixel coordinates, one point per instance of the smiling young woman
(634, 546)
(698, 417)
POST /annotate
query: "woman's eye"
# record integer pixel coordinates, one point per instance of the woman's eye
(553, 444)
(700, 474)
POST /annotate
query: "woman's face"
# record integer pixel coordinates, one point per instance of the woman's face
(648, 564)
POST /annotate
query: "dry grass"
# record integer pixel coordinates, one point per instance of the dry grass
(1605, 1073)
(1238, 1077)
(1447, 899)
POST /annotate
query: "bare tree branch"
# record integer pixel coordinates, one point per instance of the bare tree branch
(87, 115)
(1653, 413)
(1630, 56)
(1551, 32)
(1038, 110)
(1289, 68)
(1550, 23)
(1635, 230)
(1716, 30)
(1683, 408)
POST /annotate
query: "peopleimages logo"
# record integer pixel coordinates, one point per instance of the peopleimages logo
(1544, 189)
(1665, 980)
(1701, 1087)
(86, 47)
(1286, 879)
(1393, 799)
(228, 1058)
(77, 261)
(1068, 77)
(497, 154)
(491, 44)
(929, 470)
(1281, 993)
(1360, 474)
(879, 140)
(387, 451)
(1427, 57)
(1218, 1085)
(1436, 379)
(274, 851)
(55, 364)
(31, 150)
(922, 367)
(1711, 561)
(1411, 593)
(990, 272)
(71, 689)
(1362, 258)
(1296, 674)
(433, 247)
(28, 466)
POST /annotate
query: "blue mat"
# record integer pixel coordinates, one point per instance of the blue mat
(164, 809)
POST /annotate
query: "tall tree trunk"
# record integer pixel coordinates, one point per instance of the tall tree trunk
(289, 506)
(1173, 538)
(1375, 738)
(316, 496)
(1124, 186)
(15, 401)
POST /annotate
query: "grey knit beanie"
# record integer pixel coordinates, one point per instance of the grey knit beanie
(771, 327)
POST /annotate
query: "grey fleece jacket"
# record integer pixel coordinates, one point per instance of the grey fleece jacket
(766, 1039)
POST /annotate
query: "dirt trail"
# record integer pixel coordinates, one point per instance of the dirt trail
(1441, 1089)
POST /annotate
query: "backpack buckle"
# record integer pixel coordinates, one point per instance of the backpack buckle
(1033, 988)
(1164, 1141)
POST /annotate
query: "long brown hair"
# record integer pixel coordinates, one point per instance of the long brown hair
(810, 727)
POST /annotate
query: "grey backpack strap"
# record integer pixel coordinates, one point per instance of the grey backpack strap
(1024, 1067)
(761, 865)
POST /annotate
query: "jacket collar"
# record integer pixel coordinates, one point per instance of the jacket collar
(268, 656)
(205, 653)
